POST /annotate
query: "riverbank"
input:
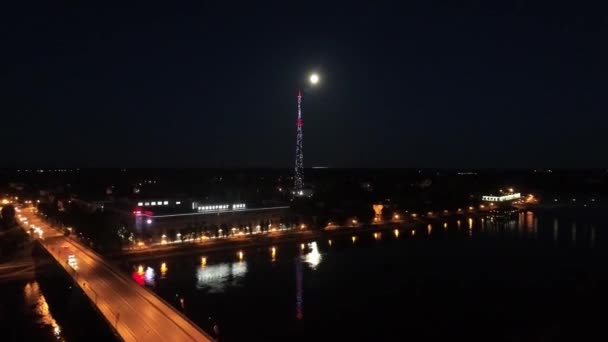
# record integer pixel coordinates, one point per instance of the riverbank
(282, 237)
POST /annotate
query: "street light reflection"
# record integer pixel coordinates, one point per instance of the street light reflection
(163, 270)
(34, 297)
(218, 277)
(149, 276)
(313, 257)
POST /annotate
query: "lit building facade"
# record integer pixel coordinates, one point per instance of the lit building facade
(209, 220)
(501, 198)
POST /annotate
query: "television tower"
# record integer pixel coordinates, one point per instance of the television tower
(299, 166)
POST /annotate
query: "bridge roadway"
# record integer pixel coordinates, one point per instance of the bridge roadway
(134, 311)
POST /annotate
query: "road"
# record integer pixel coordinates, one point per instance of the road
(135, 312)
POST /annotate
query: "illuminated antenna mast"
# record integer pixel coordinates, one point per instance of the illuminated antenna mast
(299, 166)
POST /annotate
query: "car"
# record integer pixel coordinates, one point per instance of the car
(72, 261)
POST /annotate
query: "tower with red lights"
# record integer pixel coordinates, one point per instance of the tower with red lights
(299, 165)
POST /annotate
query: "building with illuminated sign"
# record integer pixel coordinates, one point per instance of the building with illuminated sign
(173, 219)
(501, 198)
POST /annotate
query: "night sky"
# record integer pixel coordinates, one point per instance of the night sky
(214, 85)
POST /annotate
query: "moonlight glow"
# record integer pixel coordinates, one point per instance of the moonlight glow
(314, 78)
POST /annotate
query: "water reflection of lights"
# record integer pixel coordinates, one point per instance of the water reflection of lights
(218, 277)
(313, 257)
(470, 223)
(142, 277)
(302, 246)
(163, 270)
(396, 232)
(458, 223)
(377, 235)
(149, 276)
(354, 238)
(555, 229)
(241, 255)
(329, 242)
(413, 232)
(529, 220)
(429, 229)
(445, 225)
(34, 297)
(299, 290)
(273, 253)
(138, 277)
(203, 261)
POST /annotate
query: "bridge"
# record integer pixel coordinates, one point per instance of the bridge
(135, 313)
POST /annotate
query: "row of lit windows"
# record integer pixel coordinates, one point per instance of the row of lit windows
(147, 204)
(220, 207)
(501, 198)
(214, 207)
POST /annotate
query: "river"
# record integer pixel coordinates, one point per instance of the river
(537, 276)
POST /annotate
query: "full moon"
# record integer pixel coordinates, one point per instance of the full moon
(314, 78)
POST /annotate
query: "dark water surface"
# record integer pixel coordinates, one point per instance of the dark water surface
(49, 308)
(537, 277)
